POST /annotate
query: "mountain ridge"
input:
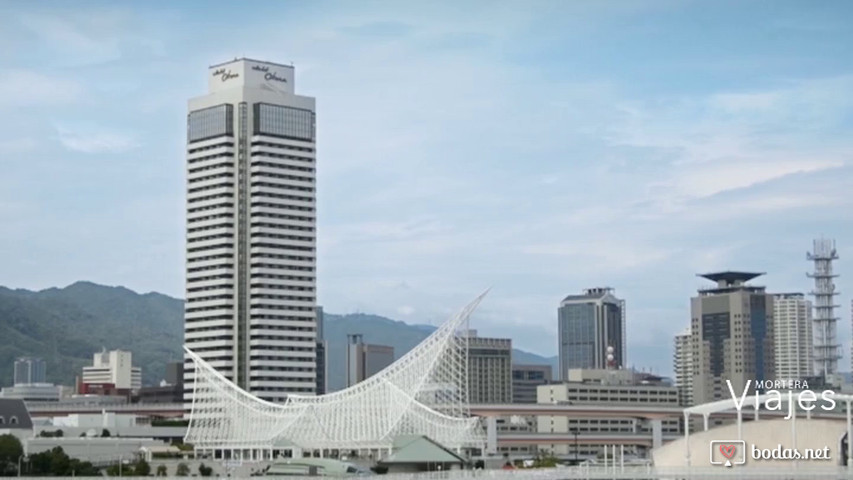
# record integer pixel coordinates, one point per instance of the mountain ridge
(67, 325)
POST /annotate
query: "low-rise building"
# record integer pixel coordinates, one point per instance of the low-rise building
(525, 379)
(604, 388)
(33, 392)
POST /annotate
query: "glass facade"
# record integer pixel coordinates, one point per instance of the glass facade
(758, 329)
(577, 336)
(284, 122)
(716, 330)
(210, 122)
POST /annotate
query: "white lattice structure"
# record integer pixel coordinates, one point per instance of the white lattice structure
(424, 393)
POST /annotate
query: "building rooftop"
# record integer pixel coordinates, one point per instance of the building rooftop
(250, 60)
(14, 414)
(729, 278)
(590, 294)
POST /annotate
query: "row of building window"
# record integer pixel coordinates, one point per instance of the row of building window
(261, 143)
(216, 166)
(224, 177)
(264, 155)
(281, 166)
(279, 186)
(210, 187)
(224, 142)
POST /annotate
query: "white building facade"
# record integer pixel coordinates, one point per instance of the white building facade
(682, 360)
(114, 367)
(793, 341)
(251, 230)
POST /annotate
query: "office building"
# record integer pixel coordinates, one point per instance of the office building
(365, 360)
(111, 371)
(251, 230)
(525, 379)
(322, 355)
(682, 360)
(587, 325)
(489, 369)
(793, 341)
(605, 387)
(731, 336)
(29, 370)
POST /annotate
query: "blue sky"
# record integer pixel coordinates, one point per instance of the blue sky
(537, 148)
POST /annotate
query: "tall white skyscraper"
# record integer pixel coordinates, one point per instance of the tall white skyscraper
(682, 360)
(251, 229)
(793, 340)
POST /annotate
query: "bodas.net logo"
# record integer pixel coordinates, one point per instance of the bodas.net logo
(728, 452)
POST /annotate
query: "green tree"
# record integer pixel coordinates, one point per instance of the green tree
(105, 433)
(183, 470)
(161, 471)
(10, 451)
(204, 470)
(142, 468)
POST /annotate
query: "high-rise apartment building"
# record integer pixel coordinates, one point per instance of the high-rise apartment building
(489, 369)
(682, 360)
(365, 360)
(251, 230)
(525, 380)
(731, 336)
(29, 370)
(587, 324)
(793, 341)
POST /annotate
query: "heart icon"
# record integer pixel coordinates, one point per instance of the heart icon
(728, 451)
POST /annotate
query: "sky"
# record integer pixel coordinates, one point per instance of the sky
(534, 148)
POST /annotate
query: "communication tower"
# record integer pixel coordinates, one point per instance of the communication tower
(827, 350)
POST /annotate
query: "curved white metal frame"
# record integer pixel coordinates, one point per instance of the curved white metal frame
(425, 392)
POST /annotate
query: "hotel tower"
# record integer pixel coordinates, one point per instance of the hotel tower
(251, 230)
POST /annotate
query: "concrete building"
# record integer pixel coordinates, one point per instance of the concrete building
(731, 336)
(322, 355)
(365, 360)
(251, 230)
(682, 359)
(587, 324)
(793, 340)
(29, 370)
(489, 369)
(114, 368)
(33, 392)
(525, 379)
(605, 388)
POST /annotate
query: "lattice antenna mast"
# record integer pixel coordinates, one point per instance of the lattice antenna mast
(827, 350)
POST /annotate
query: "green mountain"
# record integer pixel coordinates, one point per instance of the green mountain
(65, 326)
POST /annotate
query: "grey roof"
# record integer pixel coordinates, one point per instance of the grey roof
(420, 449)
(14, 408)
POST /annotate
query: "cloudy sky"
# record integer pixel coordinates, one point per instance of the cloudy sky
(537, 148)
